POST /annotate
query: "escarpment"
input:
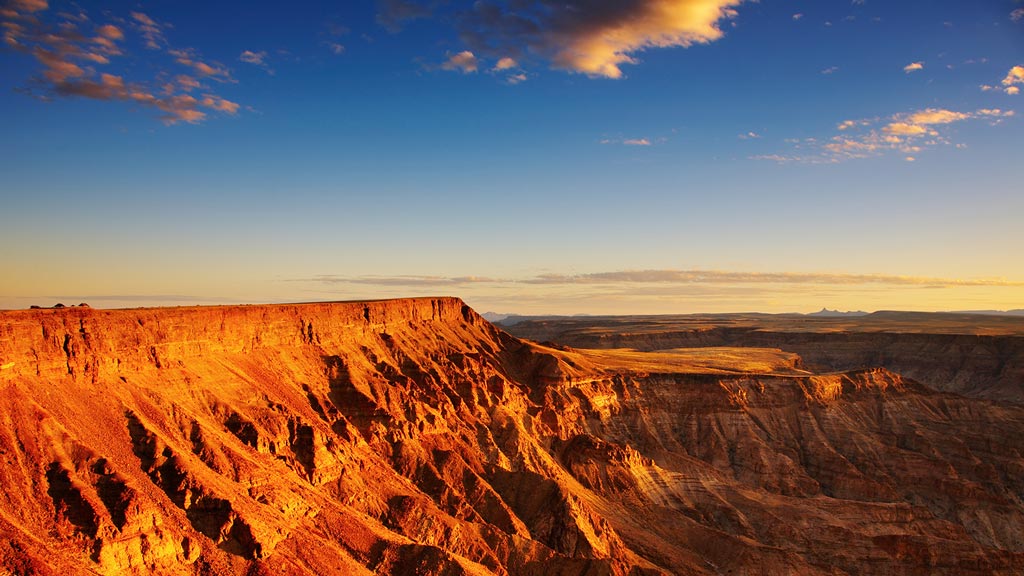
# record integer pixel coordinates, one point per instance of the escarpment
(412, 437)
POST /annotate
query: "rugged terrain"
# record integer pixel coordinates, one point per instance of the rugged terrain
(413, 437)
(977, 355)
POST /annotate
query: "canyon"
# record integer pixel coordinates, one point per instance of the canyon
(977, 355)
(414, 437)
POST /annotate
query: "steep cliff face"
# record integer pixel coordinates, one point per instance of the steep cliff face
(976, 365)
(412, 437)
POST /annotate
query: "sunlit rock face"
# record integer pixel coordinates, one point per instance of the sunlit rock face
(413, 437)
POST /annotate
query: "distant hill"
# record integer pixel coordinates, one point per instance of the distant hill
(1015, 312)
(826, 313)
(494, 317)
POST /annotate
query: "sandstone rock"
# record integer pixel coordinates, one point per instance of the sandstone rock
(413, 437)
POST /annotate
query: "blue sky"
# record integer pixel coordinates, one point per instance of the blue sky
(574, 156)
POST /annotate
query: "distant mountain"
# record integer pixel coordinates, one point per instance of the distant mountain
(1015, 312)
(826, 313)
(494, 317)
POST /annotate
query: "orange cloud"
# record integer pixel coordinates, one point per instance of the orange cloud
(465, 62)
(906, 134)
(505, 64)
(594, 37)
(28, 5)
(58, 68)
(937, 116)
(904, 129)
(110, 32)
(913, 67)
(150, 30)
(67, 56)
(220, 104)
(187, 82)
(1014, 76)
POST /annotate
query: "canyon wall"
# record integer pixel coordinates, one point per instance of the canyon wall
(976, 365)
(413, 437)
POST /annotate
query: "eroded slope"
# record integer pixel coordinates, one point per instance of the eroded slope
(412, 437)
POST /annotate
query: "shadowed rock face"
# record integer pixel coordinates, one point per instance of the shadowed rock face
(412, 437)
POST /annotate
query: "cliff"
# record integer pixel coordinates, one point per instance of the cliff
(413, 437)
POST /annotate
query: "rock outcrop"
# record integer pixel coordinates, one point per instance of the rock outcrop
(413, 437)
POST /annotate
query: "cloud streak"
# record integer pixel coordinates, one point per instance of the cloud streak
(672, 277)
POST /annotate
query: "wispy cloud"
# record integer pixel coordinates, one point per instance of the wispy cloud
(830, 70)
(669, 276)
(1017, 15)
(749, 136)
(189, 57)
(76, 56)
(256, 58)
(250, 57)
(907, 134)
(332, 33)
(913, 67)
(592, 37)
(150, 30)
(627, 141)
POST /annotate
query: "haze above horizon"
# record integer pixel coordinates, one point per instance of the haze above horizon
(578, 156)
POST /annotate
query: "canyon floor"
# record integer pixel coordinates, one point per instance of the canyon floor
(414, 437)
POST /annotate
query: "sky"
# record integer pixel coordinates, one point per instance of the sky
(549, 157)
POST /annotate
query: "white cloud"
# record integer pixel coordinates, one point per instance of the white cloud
(628, 141)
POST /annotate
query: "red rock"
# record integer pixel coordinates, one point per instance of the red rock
(412, 437)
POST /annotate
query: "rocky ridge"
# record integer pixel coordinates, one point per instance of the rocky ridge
(413, 437)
